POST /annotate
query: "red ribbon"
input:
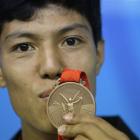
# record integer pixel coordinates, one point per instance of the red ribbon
(69, 75)
(77, 76)
(60, 137)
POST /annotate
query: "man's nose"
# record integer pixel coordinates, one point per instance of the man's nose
(51, 65)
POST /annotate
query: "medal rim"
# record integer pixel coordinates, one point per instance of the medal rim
(61, 85)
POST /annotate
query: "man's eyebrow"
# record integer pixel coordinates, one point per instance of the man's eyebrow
(62, 30)
(21, 34)
(73, 27)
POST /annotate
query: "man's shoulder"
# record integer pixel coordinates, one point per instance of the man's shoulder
(17, 136)
(119, 124)
(115, 121)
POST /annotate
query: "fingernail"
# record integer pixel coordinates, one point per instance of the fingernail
(61, 129)
(68, 117)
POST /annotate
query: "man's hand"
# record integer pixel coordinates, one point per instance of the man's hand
(86, 127)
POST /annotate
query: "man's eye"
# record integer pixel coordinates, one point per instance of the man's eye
(23, 47)
(71, 42)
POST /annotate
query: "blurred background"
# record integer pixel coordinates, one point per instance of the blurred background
(118, 84)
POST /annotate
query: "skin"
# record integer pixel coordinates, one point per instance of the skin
(31, 68)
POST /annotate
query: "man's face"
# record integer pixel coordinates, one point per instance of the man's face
(34, 53)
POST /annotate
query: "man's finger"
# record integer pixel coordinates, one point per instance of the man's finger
(102, 124)
(90, 131)
(80, 137)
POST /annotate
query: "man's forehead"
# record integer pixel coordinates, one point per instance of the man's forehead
(52, 10)
(49, 19)
(34, 29)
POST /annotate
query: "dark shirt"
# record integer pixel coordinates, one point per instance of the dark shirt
(116, 121)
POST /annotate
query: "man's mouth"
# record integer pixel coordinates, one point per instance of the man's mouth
(46, 92)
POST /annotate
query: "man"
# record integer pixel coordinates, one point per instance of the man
(38, 40)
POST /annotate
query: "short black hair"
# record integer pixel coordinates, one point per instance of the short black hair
(24, 9)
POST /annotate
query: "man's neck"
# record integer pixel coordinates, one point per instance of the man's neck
(30, 133)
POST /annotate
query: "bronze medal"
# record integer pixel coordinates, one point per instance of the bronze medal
(69, 97)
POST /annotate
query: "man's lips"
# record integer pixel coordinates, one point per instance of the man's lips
(45, 94)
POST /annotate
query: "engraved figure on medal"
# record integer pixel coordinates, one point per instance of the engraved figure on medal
(68, 104)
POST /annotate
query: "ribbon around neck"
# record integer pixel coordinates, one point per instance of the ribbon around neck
(70, 75)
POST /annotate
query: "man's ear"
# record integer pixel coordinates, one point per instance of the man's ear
(100, 55)
(2, 81)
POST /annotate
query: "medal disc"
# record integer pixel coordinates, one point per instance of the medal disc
(69, 97)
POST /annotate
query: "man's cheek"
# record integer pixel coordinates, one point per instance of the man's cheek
(18, 93)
